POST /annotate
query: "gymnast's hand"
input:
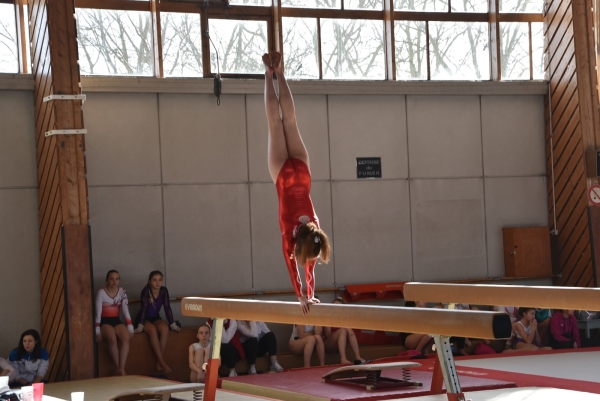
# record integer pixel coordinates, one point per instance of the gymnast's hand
(305, 305)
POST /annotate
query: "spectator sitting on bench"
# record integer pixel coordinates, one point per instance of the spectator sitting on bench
(413, 341)
(304, 340)
(154, 296)
(336, 338)
(29, 360)
(257, 340)
(199, 354)
(564, 332)
(231, 347)
(109, 301)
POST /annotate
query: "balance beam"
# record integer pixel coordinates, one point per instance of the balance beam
(474, 324)
(481, 294)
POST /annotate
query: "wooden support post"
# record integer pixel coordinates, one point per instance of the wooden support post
(65, 262)
(494, 31)
(390, 42)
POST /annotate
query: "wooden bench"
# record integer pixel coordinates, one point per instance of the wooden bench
(141, 360)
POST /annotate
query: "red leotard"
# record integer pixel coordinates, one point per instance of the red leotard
(295, 208)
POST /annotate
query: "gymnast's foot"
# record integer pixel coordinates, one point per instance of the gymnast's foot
(346, 362)
(268, 63)
(121, 372)
(276, 60)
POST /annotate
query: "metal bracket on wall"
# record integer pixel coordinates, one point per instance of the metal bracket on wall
(66, 132)
(65, 97)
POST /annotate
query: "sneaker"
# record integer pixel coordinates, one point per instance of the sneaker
(276, 367)
(232, 373)
(252, 370)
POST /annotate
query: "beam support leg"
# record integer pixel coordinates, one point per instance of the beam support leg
(448, 368)
(212, 370)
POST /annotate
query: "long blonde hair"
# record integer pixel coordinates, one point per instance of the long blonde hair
(311, 242)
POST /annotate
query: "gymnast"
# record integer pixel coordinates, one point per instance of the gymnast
(303, 240)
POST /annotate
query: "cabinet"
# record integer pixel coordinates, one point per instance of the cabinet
(527, 251)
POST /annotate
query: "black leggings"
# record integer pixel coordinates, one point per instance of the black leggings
(255, 348)
(560, 344)
(229, 355)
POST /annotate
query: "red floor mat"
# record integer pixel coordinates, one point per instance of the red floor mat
(308, 382)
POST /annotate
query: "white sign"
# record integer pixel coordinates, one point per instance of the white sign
(594, 195)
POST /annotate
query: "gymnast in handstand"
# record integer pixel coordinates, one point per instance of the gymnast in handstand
(303, 240)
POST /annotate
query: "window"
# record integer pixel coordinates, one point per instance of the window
(411, 50)
(352, 49)
(9, 56)
(115, 42)
(321, 39)
(459, 51)
(301, 47)
(181, 45)
(240, 45)
(312, 3)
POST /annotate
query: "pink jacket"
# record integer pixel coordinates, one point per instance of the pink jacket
(565, 329)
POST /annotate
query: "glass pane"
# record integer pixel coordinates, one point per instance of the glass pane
(521, 6)
(312, 3)
(27, 40)
(114, 42)
(411, 50)
(352, 49)
(182, 44)
(514, 50)
(537, 45)
(250, 2)
(241, 45)
(363, 4)
(300, 47)
(459, 51)
(421, 5)
(9, 58)
(469, 6)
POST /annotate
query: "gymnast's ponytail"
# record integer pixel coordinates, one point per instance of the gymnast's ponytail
(311, 242)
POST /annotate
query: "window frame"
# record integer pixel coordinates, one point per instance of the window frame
(273, 16)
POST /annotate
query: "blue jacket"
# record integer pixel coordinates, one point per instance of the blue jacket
(28, 369)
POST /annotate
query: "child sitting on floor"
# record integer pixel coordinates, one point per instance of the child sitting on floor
(527, 337)
(199, 354)
(564, 332)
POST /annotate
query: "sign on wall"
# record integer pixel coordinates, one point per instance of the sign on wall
(368, 167)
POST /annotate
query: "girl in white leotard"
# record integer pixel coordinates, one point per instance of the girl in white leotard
(199, 354)
(304, 340)
(526, 331)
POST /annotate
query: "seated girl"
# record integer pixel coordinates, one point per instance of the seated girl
(564, 332)
(231, 347)
(527, 337)
(422, 343)
(199, 354)
(257, 340)
(304, 340)
(110, 301)
(154, 297)
(29, 359)
(336, 338)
